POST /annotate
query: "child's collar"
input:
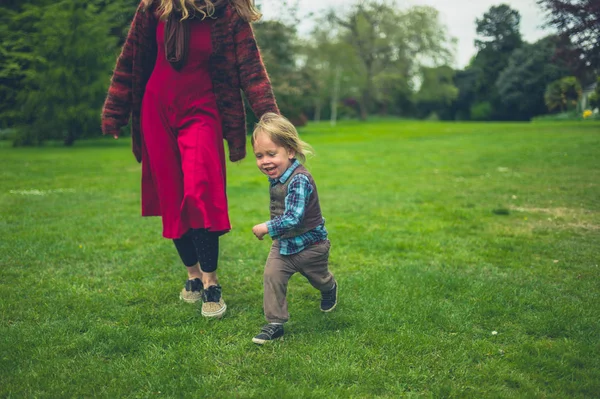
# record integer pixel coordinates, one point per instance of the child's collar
(288, 172)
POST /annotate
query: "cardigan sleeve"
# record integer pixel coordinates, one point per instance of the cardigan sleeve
(254, 80)
(118, 104)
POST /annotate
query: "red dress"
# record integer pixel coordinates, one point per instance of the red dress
(183, 159)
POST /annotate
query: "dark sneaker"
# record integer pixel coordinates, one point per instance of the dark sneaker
(192, 292)
(212, 303)
(268, 333)
(329, 299)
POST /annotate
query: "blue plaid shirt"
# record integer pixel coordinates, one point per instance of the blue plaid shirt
(299, 191)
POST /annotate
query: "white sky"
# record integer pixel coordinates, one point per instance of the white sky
(458, 15)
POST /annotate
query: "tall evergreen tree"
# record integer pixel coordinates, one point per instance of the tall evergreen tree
(65, 85)
(499, 36)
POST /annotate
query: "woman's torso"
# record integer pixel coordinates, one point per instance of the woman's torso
(189, 88)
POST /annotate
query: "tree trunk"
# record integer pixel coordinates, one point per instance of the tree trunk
(335, 95)
(362, 110)
(71, 134)
(385, 109)
(69, 139)
(365, 103)
(318, 106)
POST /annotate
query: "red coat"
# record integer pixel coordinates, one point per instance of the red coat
(235, 64)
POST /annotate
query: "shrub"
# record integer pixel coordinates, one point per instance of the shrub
(481, 111)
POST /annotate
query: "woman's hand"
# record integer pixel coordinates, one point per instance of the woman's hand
(260, 230)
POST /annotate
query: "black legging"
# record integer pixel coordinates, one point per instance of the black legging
(199, 245)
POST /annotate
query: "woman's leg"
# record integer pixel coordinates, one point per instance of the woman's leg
(207, 252)
(207, 249)
(192, 292)
(188, 254)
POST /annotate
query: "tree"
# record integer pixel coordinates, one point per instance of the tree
(499, 36)
(393, 93)
(437, 91)
(17, 24)
(499, 29)
(334, 68)
(563, 94)
(279, 47)
(578, 23)
(595, 97)
(121, 14)
(367, 26)
(481, 111)
(522, 84)
(467, 82)
(65, 85)
(391, 41)
(594, 100)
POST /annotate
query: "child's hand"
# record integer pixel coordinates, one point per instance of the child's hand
(260, 230)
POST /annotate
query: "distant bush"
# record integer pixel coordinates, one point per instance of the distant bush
(433, 116)
(7, 134)
(564, 116)
(563, 94)
(594, 100)
(481, 111)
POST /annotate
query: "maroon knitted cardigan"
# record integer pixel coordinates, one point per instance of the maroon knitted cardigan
(235, 64)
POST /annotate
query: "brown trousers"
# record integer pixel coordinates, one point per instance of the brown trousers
(311, 263)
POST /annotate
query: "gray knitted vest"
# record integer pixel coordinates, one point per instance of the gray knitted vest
(312, 213)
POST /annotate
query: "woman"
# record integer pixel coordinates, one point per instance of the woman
(179, 77)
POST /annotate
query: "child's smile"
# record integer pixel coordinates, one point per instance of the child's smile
(270, 171)
(272, 159)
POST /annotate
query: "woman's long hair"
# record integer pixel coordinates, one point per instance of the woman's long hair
(206, 8)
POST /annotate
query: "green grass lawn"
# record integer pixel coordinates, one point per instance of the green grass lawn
(441, 233)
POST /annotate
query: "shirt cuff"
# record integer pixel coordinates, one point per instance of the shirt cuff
(272, 232)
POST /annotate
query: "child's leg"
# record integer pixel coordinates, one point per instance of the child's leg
(313, 263)
(278, 271)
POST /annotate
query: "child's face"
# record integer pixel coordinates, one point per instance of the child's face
(271, 159)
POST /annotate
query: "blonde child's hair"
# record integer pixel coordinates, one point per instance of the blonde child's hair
(283, 133)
